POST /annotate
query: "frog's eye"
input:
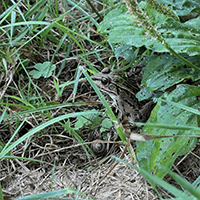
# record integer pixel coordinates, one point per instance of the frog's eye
(105, 81)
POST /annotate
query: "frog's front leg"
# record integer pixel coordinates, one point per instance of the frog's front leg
(146, 111)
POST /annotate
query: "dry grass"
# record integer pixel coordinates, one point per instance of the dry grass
(54, 144)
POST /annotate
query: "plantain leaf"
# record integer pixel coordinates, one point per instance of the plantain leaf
(126, 51)
(183, 7)
(164, 71)
(182, 37)
(152, 154)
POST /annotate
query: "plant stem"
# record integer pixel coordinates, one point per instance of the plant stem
(94, 9)
(143, 20)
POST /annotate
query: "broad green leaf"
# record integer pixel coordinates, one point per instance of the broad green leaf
(144, 94)
(182, 37)
(126, 51)
(156, 16)
(183, 7)
(42, 69)
(92, 120)
(163, 152)
(106, 125)
(164, 71)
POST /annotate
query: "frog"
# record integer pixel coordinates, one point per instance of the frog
(121, 89)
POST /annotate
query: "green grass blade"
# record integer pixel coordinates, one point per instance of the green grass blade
(69, 46)
(69, 83)
(8, 12)
(28, 159)
(45, 23)
(58, 47)
(77, 74)
(25, 23)
(184, 107)
(154, 179)
(57, 87)
(4, 150)
(105, 103)
(40, 127)
(52, 194)
(20, 12)
(165, 126)
(1, 193)
(77, 136)
(94, 9)
(39, 109)
(185, 184)
(67, 30)
(196, 182)
(23, 101)
(83, 11)
(3, 115)
(35, 8)
(13, 18)
(43, 14)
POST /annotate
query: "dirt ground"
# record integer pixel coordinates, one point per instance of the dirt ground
(73, 169)
(55, 145)
(121, 183)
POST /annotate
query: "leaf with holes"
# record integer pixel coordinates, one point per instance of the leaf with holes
(162, 152)
(183, 7)
(164, 71)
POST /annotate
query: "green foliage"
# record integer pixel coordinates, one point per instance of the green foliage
(106, 105)
(159, 29)
(1, 193)
(126, 51)
(42, 69)
(163, 152)
(91, 120)
(106, 125)
(183, 7)
(162, 72)
(41, 23)
(56, 193)
(9, 146)
(182, 37)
